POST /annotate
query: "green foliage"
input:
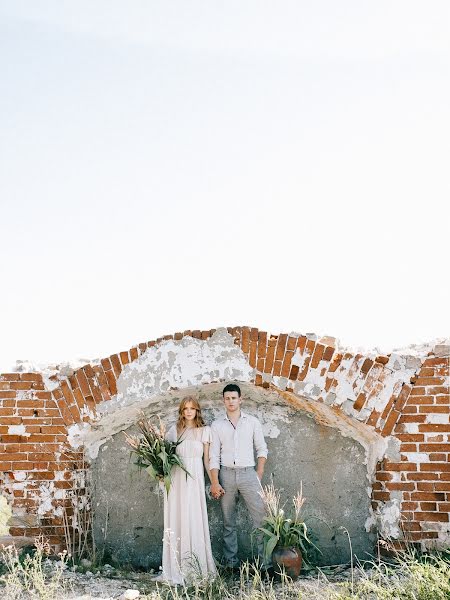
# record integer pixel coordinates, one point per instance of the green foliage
(284, 530)
(154, 453)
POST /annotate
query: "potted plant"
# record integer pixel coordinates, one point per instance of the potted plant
(285, 535)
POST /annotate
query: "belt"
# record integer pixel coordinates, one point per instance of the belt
(237, 468)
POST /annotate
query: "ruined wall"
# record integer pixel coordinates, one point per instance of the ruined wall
(395, 408)
(129, 508)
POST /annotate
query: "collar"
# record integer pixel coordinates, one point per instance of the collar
(243, 416)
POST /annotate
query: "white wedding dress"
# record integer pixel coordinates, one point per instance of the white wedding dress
(186, 544)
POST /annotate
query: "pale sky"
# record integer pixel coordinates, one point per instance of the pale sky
(188, 165)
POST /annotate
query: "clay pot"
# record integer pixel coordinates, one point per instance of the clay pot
(288, 558)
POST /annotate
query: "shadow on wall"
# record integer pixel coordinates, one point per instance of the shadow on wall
(128, 520)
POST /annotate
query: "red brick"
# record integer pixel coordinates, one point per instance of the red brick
(382, 496)
(285, 369)
(438, 390)
(360, 401)
(277, 368)
(431, 506)
(21, 385)
(337, 359)
(83, 382)
(390, 422)
(436, 467)
(383, 360)
(433, 496)
(106, 363)
(328, 353)
(245, 340)
(402, 486)
(384, 476)
(412, 418)
(419, 400)
(294, 372)
(418, 391)
(31, 377)
(111, 382)
(291, 343)
(279, 354)
(317, 356)
(409, 410)
(425, 381)
(426, 409)
(124, 358)
(434, 447)
(442, 486)
(436, 361)
(270, 355)
(421, 476)
(442, 399)
(262, 344)
(431, 516)
(434, 427)
(301, 343)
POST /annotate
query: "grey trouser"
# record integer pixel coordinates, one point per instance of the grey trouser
(246, 482)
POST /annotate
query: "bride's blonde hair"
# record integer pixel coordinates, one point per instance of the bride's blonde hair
(198, 420)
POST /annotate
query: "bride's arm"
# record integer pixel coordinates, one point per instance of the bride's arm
(206, 459)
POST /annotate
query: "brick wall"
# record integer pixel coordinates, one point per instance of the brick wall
(407, 399)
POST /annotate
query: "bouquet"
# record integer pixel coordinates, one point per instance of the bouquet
(154, 453)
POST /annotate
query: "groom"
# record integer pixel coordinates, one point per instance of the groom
(232, 465)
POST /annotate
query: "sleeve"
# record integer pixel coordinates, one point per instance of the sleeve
(206, 434)
(214, 450)
(171, 434)
(260, 442)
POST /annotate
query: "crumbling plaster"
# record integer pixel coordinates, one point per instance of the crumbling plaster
(152, 381)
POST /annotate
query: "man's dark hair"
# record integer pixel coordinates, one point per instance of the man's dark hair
(231, 387)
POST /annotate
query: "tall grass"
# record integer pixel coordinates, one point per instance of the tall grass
(26, 575)
(410, 577)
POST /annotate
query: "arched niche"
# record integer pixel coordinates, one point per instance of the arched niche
(329, 454)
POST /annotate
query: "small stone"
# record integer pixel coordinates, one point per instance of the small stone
(85, 563)
(130, 595)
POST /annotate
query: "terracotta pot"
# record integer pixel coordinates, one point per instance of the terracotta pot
(290, 559)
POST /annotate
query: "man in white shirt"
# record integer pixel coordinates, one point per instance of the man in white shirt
(232, 465)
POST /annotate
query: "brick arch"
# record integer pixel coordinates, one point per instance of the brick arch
(273, 358)
(389, 394)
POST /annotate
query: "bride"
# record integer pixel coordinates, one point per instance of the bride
(186, 543)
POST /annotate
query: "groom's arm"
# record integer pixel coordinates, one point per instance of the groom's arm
(261, 449)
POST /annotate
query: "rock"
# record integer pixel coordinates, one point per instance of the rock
(130, 595)
(85, 562)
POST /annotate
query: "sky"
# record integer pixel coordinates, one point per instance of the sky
(170, 166)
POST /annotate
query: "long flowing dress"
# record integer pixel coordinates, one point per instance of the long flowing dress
(186, 544)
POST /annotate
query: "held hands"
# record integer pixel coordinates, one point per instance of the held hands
(217, 490)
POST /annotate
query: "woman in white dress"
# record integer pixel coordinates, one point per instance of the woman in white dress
(186, 543)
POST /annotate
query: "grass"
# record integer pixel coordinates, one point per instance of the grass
(410, 576)
(26, 575)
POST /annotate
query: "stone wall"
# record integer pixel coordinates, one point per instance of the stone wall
(395, 408)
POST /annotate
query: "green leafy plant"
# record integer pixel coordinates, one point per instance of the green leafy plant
(154, 453)
(284, 530)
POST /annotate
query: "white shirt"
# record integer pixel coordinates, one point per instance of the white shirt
(233, 446)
